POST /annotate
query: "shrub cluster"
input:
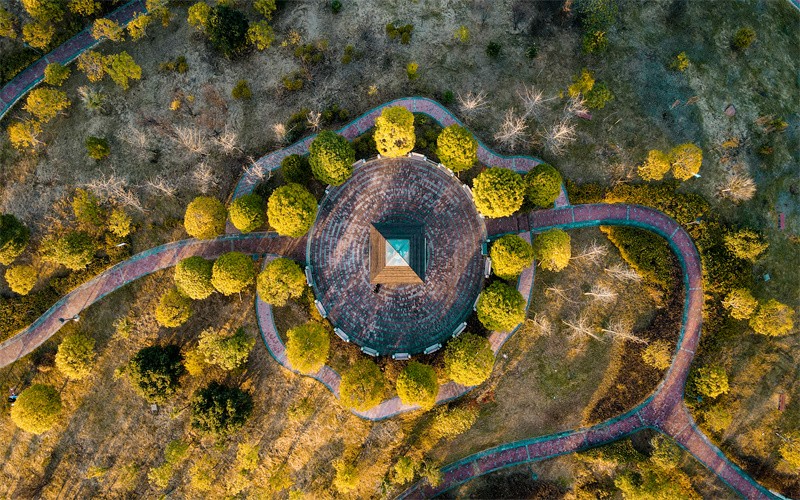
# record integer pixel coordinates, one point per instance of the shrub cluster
(307, 347)
(498, 192)
(281, 280)
(501, 307)
(417, 385)
(291, 210)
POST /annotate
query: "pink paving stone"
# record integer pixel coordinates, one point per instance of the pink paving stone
(502, 458)
(557, 446)
(545, 219)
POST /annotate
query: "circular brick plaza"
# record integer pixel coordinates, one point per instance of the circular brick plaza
(397, 193)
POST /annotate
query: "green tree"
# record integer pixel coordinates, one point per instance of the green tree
(295, 168)
(658, 355)
(227, 30)
(711, 381)
(417, 385)
(247, 213)
(198, 15)
(291, 210)
(469, 359)
(745, 244)
(45, 103)
(14, 237)
(501, 307)
(498, 192)
(87, 210)
(107, 28)
(717, 417)
(137, 28)
(8, 24)
(45, 10)
(83, 7)
(680, 63)
(193, 277)
(790, 449)
(56, 74)
(331, 157)
(220, 410)
(24, 134)
(122, 68)
(37, 409)
(260, 35)
(307, 347)
(347, 476)
(97, 148)
(552, 249)
(773, 318)
(205, 218)
(582, 83)
(119, 223)
(265, 7)
(743, 38)
(510, 256)
(457, 148)
(447, 424)
(462, 34)
(75, 250)
(38, 34)
(599, 96)
(685, 160)
(21, 279)
(543, 185)
(741, 303)
(228, 351)
(363, 386)
(75, 356)
(404, 470)
(394, 132)
(281, 280)
(173, 309)
(232, 272)
(655, 167)
(241, 90)
(154, 372)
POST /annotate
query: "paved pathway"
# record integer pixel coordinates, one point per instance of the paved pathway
(65, 53)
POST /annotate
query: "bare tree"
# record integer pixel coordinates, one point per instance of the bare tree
(162, 186)
(557, 137)
(512, 130)
(602, 293)
(532, 101)
(576, 106)
(255, 170)
(580, 326)
(314, 120)
(737, 187)
(191, 139)
(623, 273)
(621, 330)
(542, 324)
(137, 140)
(227, 140)
(279, 129)
(560, 293)
(471, 103)
(204, 177)
(592, 253)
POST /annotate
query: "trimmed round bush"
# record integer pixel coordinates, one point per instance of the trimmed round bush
(552, 249)
(307, 347)
(711, 381)
(232, 272)
(219, 410)
(457, 148)
(280, 280)
(37, 409)
(75, 356)
(363, 386)
(498, 192)
(543, 185)
(173, 309)
(291, 210)
(247, 213)
(331, 157)
(510, 256)
(773, 318)
(205, 218)
(14, 237)
(417, 385)
(21, 279)
(501, 307)
(154, 372)
(193, 277)
(469, 359)
(394, 132)
(75, 250)
(296, 169)
(745, 244)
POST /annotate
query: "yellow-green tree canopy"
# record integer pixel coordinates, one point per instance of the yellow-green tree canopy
(711, 381)
(232, 272)
(773, 318)
(173, 309)
(75, 356)
(122, 68)
(685, 160)
(498, 192)
(14, 237)
(8, 24)
(46, 10)
(21, 279)
(24, 134)
(198, 15)
(655, 167)
(265, 7)
(220, 410)
(449, 423)
(154, 372)
(657, 354)
(56, 74)
(741, 303)
(38, 34)
(37, 409)
(394, 132)
(291, 210)
(307, 347)
(205, 218)
(469, 359)
(500, 307)
(280, 280)
(543, 185)
(331, 157)
(363, 386)
(119, 223)
(75, 250)
(260, 35)
(137, 28)
(456, 148)
(83, 7)
(510, 256)
(193, 277)
(45, 103)
(226, 350)
(552, 249)
(417, 385)
(790, 449)
(109, 29)
(745, 244)
(247, 212)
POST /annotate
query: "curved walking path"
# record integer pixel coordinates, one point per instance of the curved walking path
(65, 53)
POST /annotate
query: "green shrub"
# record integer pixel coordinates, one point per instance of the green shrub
(417, 385)
(241, 90)
(743, 38)
(394, 132)
(227, 30)
(498, 192)
(741, 303)
(402, 32)
(228, 351)
(122, 68)
(281, 280)
(363, 386)
(552, 249)
(87, 210)
(773, 318)
(510, 256)
(596, 17)
(247, 213)
(178, 65)
(296, 169)
(347, 476)
(532, 51)
(293, 81)
(232, 272)
(456, 148)
(349, 54)
(494, 50)
(647, 253)
(14, 237)
(38, 35)
(469, 359)
(219, 410)
(154, 372)
(37, 409)
(307, 347)
(75, 356)
(745, 244)
(680, 63)
(717, 417)
(411, 71)
(331, 157)
(543, 185)
(404, 470)
(336, 6)
(599, 96)
(448, 424)
(291, 210)
(21, 279)
(685, 160)
(75, 250)
(119, 223)
(265, 7)
(462, 34)
(500, 307)
(655, 167)
(711, 381)
(582, 83)
(205, 218)
(173, 309)
(56, 74)
(193, 277)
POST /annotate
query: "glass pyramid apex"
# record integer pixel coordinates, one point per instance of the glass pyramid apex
(398, 252)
